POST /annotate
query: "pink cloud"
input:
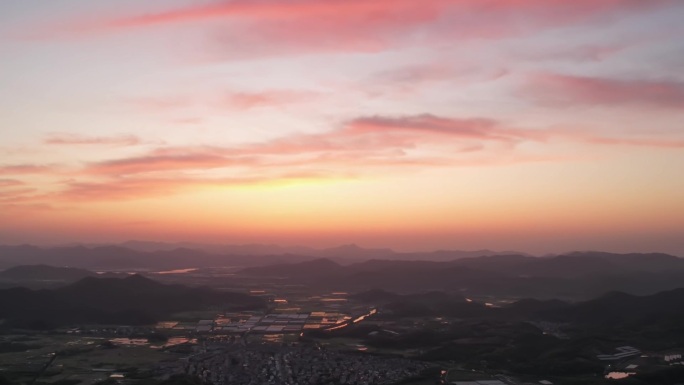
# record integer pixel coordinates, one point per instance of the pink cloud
(579, 90)
(474, 128)
(269, 27)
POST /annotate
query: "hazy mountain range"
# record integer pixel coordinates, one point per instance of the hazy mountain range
(152, 255)
(575, 276)
(579, 275)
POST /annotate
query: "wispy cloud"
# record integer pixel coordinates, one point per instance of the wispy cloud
(595, 52)
(143, 187)
(167, 160)
(474, 128)
(76, 139)
(637, 142)
(162, 104)
(269, 98)
(188, 121)
(23, 169)
(373, 140)
(10, 183)
(408, 80)
(565, 90)
(17, 194)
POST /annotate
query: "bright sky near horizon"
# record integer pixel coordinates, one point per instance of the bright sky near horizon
(534, 125)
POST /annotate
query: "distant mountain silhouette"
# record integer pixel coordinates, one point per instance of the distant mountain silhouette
(642, 262)
(44, 272)
(121, 258)
(575, 264)
(132, 300)
(349, 252)
(155, 255)
(576, 276)
(247, 249)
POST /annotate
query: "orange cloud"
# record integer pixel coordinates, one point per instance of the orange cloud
(580, 90)
(141, 188)
(17, 195)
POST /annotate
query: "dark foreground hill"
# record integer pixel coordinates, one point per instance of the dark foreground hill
(611, 313)
(532, 337)
(618, 309)
(653, 321)
(132, 300)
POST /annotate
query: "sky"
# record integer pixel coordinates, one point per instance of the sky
(542, 126)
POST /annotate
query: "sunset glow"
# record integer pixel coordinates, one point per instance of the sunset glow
(534, 125)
